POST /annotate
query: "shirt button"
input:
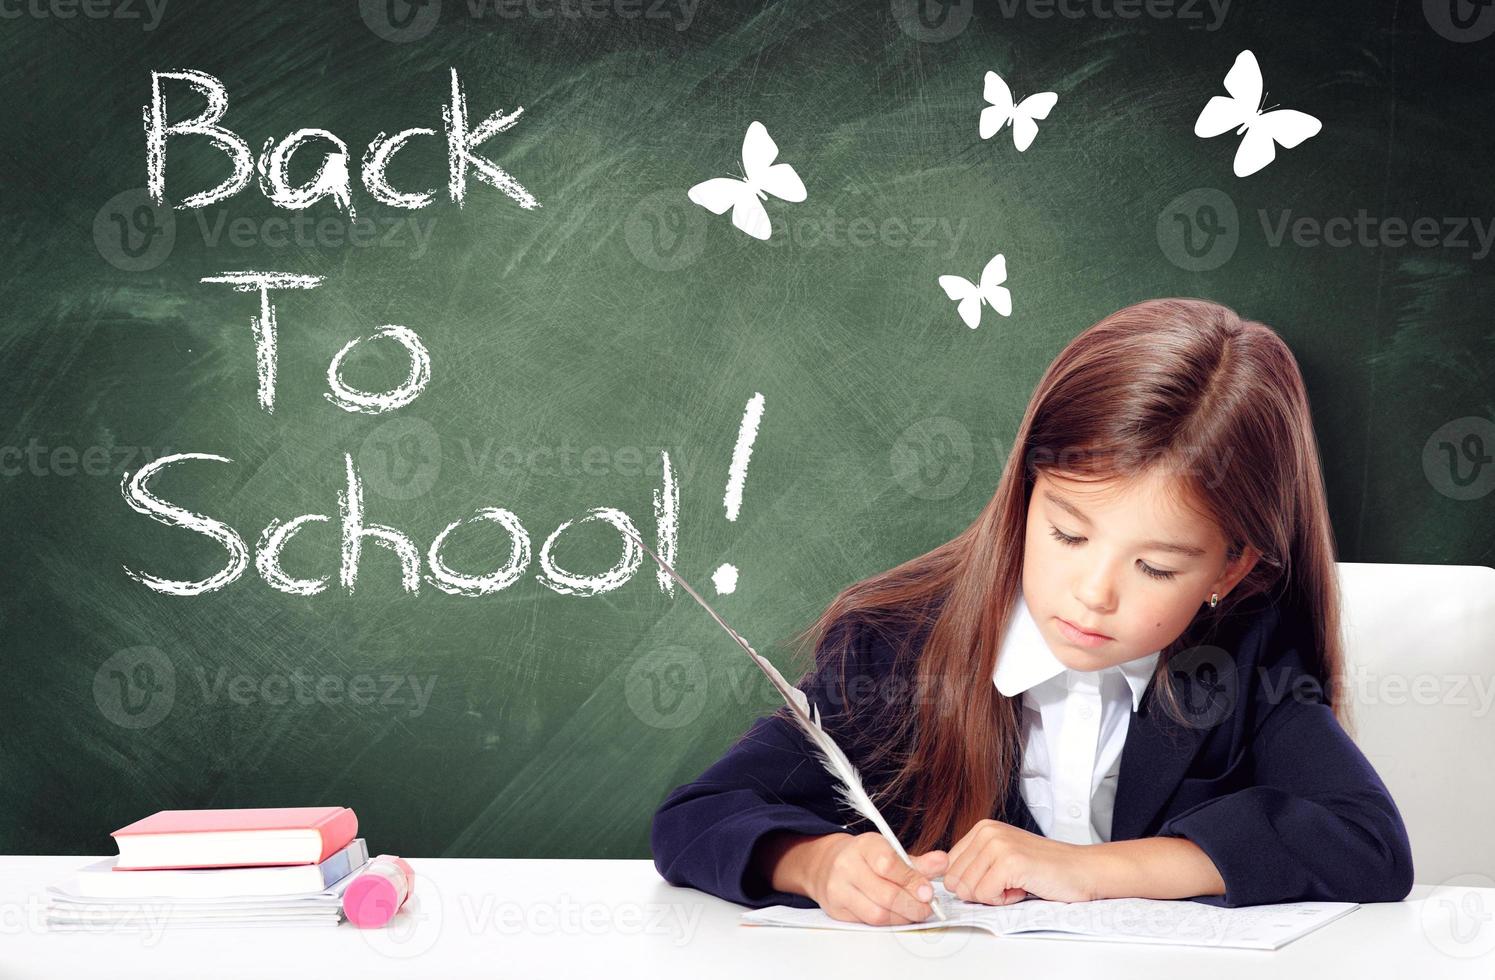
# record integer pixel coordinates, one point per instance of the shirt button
(1074, 809)
(1085, 711)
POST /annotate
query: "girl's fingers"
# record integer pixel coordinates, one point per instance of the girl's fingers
(894, 886)
(876, 906)
(903, 897)
(969, 877)
(995, 885)
(959, 867)
(891, 885)
(932, 861)
(880, 888)
(961, 855)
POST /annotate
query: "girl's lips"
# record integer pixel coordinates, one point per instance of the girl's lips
(1076, 635)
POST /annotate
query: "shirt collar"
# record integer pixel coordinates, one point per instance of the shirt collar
(1025, 659)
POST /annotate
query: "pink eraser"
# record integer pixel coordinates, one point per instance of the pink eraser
(373, 898)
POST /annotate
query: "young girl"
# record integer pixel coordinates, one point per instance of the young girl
(1122, 679)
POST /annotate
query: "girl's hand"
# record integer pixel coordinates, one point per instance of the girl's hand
(998, 864)
(859, 878)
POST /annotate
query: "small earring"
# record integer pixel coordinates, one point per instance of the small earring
(1214, 599)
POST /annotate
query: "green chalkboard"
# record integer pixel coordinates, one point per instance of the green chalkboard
(576, 345)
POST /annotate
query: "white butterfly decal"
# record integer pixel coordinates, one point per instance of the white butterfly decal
(1242, 112)
(1022, 115)
(761, 177)
(970, 296)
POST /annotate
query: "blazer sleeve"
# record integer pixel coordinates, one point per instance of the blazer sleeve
(1318, 824)
(704, 833)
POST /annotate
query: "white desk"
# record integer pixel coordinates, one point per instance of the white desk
(613, 919)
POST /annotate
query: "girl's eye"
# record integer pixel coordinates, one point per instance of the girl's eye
(1063, 538)
(1147, 569)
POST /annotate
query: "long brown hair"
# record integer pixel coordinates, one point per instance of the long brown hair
(1183, 383)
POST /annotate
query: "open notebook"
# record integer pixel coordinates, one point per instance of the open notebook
(1122, 920)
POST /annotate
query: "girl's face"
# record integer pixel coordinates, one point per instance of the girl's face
(1120, 559)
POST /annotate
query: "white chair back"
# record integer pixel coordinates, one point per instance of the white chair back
(1420, 670)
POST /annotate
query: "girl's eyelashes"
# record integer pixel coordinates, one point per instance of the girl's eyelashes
(1072, 542)
(1063, 538)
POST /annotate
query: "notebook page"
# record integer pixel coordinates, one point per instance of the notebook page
(1173, 923)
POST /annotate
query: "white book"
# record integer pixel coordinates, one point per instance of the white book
(1124, 920)
(64, 902)
(78, 914)
(174, 914)
(101, 880)
(140, 920)
(54, 925)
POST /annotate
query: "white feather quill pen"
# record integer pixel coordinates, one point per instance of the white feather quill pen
(807, 716)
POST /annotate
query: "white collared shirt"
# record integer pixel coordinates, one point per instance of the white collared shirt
(1074, 725)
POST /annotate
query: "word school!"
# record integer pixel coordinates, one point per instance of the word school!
(332, 179)
(354, 531)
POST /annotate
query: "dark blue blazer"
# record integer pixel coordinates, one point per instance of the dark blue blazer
(1263, 778)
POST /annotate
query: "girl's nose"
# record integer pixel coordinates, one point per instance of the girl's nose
(1096, 590)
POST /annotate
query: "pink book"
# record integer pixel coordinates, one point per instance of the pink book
(234, 838)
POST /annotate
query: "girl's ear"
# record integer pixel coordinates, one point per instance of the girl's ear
(1237, 569)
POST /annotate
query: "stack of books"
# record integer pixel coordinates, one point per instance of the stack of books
(269, 866)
